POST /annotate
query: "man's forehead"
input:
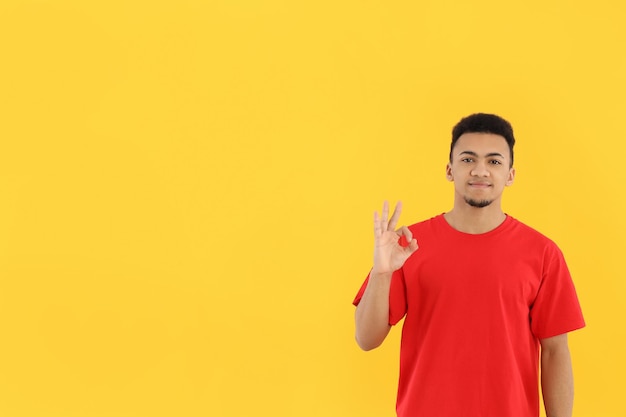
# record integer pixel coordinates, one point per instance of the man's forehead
(481, 143)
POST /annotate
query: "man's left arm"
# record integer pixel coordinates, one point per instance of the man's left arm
(557, 379)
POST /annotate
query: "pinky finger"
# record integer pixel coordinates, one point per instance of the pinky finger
(376, 224)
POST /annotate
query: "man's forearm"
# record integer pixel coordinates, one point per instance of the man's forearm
(372, 313)
(557, 380)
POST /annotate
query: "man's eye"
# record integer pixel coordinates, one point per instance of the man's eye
(466, 160)
(496, 162)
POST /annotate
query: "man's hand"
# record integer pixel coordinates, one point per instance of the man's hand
(389, 254)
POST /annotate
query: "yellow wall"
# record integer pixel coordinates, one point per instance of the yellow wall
(187, 188)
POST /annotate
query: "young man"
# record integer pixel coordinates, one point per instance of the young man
(485, 299)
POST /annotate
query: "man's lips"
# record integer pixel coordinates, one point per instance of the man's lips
(480, 184)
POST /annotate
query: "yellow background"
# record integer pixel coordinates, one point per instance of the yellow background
(187, 190)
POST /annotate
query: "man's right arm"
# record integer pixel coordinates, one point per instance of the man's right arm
(372, 313)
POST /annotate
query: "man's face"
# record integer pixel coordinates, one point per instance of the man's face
(480, 168)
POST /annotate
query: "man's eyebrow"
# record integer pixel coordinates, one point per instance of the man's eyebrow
(471, 153)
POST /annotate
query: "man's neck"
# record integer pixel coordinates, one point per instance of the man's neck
(474, 220)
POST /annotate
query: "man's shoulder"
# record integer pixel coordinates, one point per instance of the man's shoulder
(528, 233)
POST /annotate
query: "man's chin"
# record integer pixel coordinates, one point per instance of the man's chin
(478, 203)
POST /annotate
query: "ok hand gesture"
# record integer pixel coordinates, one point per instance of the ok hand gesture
(389, 255)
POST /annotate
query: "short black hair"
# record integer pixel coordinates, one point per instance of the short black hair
(484, 123)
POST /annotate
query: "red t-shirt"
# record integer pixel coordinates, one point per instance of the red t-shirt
(475, 307)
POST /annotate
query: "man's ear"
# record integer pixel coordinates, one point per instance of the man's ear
(511, 178)
(449, 176)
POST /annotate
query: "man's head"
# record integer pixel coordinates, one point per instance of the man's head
(481, 159)
(484, 123)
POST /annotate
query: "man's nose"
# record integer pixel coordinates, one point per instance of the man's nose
(480, 170)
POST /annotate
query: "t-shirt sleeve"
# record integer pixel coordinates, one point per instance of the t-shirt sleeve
(556, 309)
(397, 297)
